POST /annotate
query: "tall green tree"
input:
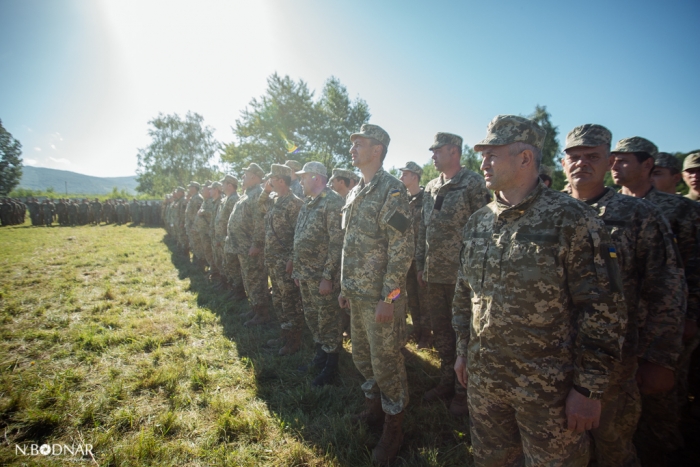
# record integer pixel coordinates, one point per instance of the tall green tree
(10, 161)
(181, 150)
(551, 149)
(287, 123)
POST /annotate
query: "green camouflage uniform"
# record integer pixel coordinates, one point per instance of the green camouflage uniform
(654, 291)
(202, 227)
(241, 228)
(318, 243)
(447, 205)
(538, 308)
(377, 252)
(417, 305)
(226, 257)
(280, 213)
(193, 206)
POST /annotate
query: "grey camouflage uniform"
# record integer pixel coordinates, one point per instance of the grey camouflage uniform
(224, 254)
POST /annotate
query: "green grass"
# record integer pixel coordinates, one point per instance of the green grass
(110, 339)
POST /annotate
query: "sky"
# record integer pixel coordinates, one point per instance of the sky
(81, 79)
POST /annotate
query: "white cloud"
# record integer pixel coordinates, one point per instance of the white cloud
(53, 146)
(56, 136)
(37, 148)
(61, 160)
(30, 161)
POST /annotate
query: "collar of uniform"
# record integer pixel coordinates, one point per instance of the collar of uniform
(375, 180)
(252, 188)
(520, 208)
(311, 201)
(417, 196)
(454, 180)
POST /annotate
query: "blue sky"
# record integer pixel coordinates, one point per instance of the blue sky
(80, 79)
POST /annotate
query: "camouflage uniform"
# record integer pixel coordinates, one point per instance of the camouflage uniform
(296, 187)
(318, 242)
(226, 257)
(447, 205)
(538, 308)
(241, 226)
(193, 206)
(417, 301)
(280, 213)
(202, 229)
(377, 252)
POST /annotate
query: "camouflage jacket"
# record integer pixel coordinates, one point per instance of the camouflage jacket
(191, 210)
(297, 189)
(318, 238)
(653, 281)
(684, 217)
(212, 221)
(223, 214)
(378, 245)
(447, 205)
(538, 304)
(280, 214)
(202, 222)
(415, 204)
(243, 220)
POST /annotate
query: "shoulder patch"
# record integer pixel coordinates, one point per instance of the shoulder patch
(395, 192)
(399, 222)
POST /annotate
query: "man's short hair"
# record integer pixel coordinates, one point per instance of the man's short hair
(519, 146)
(345, 180)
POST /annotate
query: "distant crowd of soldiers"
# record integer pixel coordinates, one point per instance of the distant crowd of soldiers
(12, 212)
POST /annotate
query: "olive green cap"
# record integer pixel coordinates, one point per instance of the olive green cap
(588, 135)
(669, 161)
(374, 132)
(636, 144)
(508, 129)
(691, 161)
(255, 170)
(415, 168)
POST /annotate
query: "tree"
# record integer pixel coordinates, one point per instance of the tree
(551, 148)
(470, 159)
(286, 123)
(10, 161)
(180, 151)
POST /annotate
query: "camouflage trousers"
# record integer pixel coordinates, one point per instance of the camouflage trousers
(621, 407)
(417, 302)
(204, 246)
(217, 252)
(323, 315)
(376, 352)
(507, 430)
(438, 299)
(659, 426)
(254, 278)
(195, 243)
(232, 269)
(182, 240)
(285, 295)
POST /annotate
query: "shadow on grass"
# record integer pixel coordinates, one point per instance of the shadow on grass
(321, 416)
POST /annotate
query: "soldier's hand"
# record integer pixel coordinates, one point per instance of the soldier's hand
(296, 282)
(254, 251)
(384, 312)
(421, 282)
(343, 302)
(290, 267)
(461, 370)
(325, 287)
(582, 413)
(689, 330)
(653, 378)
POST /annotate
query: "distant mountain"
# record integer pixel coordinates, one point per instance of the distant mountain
(40, 178)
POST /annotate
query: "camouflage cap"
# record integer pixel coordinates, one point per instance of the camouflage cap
(294, 165)
(345, 173)
(217, 186)
(415, 168)
(589, 135)
(228, 178)
(508, 129)
(194, 185)
(180, 189)
(666, 160)
(374, 132)
(546, 170)
(208, 183)
(279, 170)
(314, 168)
(442, 139)
(255, 170)
(691, 161)
(636, 144)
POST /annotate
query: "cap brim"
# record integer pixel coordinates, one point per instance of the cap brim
(436, 146)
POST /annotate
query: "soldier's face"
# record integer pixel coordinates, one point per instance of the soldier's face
(306, 181)
(664, 180)
(586, 165)
(338, 186)
(408, 177)
(500, 168)
(442, 157)
(692, 178)
(363, 151)
(626, 169)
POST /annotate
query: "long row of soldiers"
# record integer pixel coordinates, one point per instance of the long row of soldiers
(71, 212)
(558, 318)
(12, 212)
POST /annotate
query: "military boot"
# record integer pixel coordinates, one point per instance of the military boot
(279, 341)
(262, 316)
(459, 406)
(329, 371)
(318, 362)
(292, 343)
(373, 414)
(392, 436)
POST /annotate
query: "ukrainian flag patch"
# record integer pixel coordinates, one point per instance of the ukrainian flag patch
(612, 252)
(395, 192)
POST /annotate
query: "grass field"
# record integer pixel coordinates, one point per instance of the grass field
(108, 339)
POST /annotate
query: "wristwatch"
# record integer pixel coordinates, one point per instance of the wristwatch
(595, 395)
(393, 295)
(388, 300)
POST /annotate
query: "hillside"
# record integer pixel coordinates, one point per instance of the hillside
(39, 178)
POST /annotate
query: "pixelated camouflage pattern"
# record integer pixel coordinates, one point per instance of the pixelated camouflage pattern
(374, 132)
(228, 178)
(589, 135)
(297, 189)
(417, 305)
(313, 167)
(507, 129)
(254, 273)
(636, 144)
(441, 139)
(438, 301)
(413, 167)
(684, 217)
(255, 169)
(376, 255)
(691, 161)
(318, 238)
(221, 221)
(653, 281)
(538, 305)
(193, 205)
(286, 297)
(440, 231)
(280, 219)
(244, 221)
(323, 315)
(202, 225)
(345, 173)
(277, 170)
(376, 352)
(292, 164)
(669, 161)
